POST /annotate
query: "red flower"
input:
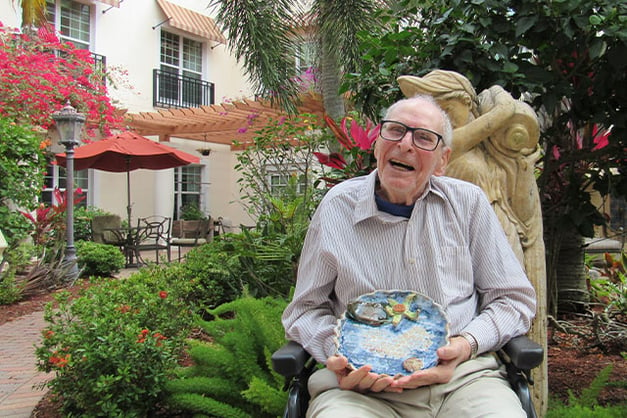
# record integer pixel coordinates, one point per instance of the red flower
(333, 160)
(163, 294)
(124, 309)
(601, 138)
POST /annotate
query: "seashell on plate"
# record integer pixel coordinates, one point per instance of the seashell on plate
(371, 313)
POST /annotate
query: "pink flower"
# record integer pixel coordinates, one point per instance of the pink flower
(601, 138)
(356, 136)
(333, 160)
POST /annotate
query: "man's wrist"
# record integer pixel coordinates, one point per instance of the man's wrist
(474, 346)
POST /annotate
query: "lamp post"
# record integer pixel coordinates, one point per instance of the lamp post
(69, 125)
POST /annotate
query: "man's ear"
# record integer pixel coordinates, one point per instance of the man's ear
(443, 162)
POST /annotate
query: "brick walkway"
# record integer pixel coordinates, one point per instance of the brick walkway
(19, 378)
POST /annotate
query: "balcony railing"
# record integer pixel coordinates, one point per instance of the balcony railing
(99, 60)
(174, 90)
(100, 64)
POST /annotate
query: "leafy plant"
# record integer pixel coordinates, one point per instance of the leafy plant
(191, 212)
(263, 263)
(48, 222)
(587, 405)
(611, 287)
(232, 375)
(355, 157)
(22, 165)
(113, 348)
(98, 259)
(82, 221)
(281, 151)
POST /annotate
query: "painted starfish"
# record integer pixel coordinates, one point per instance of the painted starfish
(398, 310)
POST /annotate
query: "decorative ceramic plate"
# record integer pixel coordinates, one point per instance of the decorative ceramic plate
(394, 331)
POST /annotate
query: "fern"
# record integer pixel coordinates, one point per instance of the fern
(234, 371)
(207, 406)
(590, 395)
(587, 404)
(261, 393)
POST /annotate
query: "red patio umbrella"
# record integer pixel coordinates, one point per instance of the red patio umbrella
(126, 152)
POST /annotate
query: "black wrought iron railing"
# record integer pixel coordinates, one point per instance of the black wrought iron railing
(99, 60)
(174, 90)
(100, 64)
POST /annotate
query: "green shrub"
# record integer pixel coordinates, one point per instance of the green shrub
(212, 271)
(10, 291)
(191, 212)
(16, 259)
(232, 375)
(99, 259)
(82, 221)
(113, 348)
(587, 405)
(262, 263)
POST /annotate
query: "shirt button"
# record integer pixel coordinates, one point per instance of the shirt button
(412, 261)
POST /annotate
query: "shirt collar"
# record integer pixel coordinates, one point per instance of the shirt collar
(366, 206)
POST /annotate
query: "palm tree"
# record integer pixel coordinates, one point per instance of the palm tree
(33, 13)
(262, 33)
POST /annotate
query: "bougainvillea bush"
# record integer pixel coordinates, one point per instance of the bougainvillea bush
(112, 349)
(39, 74)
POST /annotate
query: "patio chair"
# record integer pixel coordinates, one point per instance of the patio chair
(152, 234)
(190, 234)
(520, 355)
(105, 230)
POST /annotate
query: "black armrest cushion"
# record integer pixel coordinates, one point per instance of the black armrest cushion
(290, 359)
(524, 353)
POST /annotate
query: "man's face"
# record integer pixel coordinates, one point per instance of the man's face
(404, 170)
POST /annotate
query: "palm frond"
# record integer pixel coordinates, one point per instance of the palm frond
(259, 34)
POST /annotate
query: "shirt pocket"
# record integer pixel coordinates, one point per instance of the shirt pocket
(455, 272)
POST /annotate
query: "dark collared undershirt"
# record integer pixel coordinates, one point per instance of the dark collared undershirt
(393, 208)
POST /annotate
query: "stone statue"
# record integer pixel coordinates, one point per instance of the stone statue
(495, 146)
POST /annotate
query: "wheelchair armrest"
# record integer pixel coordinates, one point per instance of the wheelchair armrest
(290, 360)
(524, 353)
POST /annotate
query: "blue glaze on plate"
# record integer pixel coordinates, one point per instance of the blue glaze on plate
(385, 347)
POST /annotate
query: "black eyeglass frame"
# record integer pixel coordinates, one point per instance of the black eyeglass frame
(413, 137)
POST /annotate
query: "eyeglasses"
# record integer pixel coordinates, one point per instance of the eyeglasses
(422, 138)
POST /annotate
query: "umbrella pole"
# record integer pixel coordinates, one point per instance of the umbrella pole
(128, 197)
(129, 235)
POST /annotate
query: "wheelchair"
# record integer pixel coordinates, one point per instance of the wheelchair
(520, 355)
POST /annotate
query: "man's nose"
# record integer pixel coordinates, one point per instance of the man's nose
(407, 141)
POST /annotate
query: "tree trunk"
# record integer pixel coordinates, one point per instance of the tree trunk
(572, 289)
(330, 83)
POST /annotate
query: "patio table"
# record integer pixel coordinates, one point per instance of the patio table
(130, 236)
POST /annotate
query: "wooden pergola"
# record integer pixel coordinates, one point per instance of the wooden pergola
(221, 124)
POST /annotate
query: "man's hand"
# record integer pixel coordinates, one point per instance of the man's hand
(360, 380)
(450, 356)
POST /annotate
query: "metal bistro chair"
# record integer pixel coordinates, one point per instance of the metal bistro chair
(152, 234)
(520, 355)
(191, 234)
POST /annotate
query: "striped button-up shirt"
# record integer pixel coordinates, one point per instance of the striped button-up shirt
(452, 249)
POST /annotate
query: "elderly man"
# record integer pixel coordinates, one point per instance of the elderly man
(406, 226)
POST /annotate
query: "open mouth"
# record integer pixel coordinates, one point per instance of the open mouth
(401, 165)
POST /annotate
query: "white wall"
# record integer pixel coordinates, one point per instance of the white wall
(125, 36)
(10, 14)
